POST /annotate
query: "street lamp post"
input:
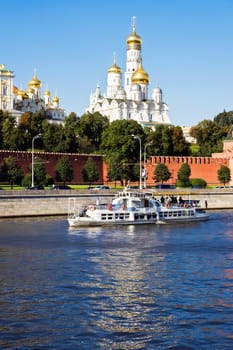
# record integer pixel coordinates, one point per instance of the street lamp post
(145, 170)
(33, 140)
(140, 160)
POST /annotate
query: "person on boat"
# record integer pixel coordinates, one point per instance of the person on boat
(168, 202)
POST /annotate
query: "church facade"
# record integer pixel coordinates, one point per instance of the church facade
(131, 100)
(16, 101)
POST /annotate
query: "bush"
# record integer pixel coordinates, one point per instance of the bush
(180, 183)
(26, 180)
(198, 183)
(49, 181)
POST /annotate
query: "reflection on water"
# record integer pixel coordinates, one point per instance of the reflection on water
(145, 287)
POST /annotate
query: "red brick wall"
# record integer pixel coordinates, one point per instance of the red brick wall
(201, 167)
(24, 160)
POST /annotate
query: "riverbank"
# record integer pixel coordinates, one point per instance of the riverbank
(44, 203)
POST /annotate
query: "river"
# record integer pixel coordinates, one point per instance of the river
(145, 287)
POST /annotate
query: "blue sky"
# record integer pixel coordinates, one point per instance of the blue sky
(187, 49)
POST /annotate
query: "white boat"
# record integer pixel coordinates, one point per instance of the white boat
(131, 208)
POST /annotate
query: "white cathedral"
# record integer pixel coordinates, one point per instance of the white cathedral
(130, 101)
(17, 101)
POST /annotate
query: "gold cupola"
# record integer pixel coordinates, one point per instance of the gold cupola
(34, 83)
(15, 90)
(56, 99)
(140, 76)
(134, 41)
(20, 92)
(114, 69)
(47, 93)
(30, 91)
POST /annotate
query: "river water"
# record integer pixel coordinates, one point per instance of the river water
(145, 287)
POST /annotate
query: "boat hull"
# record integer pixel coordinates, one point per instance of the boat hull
(189, 219)
(85, 222)
(88, 222)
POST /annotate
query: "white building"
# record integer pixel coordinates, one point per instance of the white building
(130, 101)
(17, 101)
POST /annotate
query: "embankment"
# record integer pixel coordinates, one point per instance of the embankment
(44, 203)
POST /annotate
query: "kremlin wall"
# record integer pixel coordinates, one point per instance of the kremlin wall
(201, 167)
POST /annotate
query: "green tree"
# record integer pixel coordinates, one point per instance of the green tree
(30, 125)
(90, 172)
(53, 137)
(91, 126)
(224, 119)
(161, 173)
(11, 172)
(70, 133)
(115, 169)
(64, 170)
(39, 172)
(9, 134)
(183, 175)
(180, 147)
(117, 141)
(168, 140)
(209, 136)
(224, 174)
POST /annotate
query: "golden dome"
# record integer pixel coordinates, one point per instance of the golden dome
(34, 83)
(47, 92)
(15, 90)
(56, 99)
(30, 91)
(20, 92)
(114, 69)
(133, 39)
(25, 96)
(140, 76)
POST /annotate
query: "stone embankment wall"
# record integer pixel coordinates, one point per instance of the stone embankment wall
(41, 203)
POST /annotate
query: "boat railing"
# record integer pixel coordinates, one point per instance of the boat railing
(71, 208)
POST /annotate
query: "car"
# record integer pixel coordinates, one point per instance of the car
(100, 187)
(165, 186)
(128, 188)
(39, 187)
(60, 187)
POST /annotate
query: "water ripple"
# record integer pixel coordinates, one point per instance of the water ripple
(166, 287)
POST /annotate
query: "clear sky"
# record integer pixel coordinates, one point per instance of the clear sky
(187, 49)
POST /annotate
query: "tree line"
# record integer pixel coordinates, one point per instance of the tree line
(93, 134)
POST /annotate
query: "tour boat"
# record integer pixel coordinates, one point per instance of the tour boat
(132, 208)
